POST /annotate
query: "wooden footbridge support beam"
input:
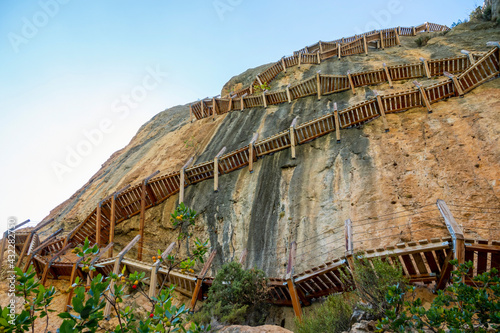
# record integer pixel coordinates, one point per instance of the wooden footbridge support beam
(182, 181)
(381, 40)
(382, 110)
(41, 247)
(154, 270)
(289, 98)
(297, 309)
(98, 225)
(51, 261)
(388, 75)
(293, 137)
(424, 96)
(27, 243)
(396, 33)
(339, 51)
(337, 122)
(216, 169)
(456, 84)
(243, 257)
(283, 64)
(426, 67)
(455, 230)
(116, 270)
(4, 239)
(351, 84)
(199, 279)
(469, 55)
(318, 84)
(252, 157)
(264, 100)
(142, 216)
(365, 46)
(242, 101)
(72, 279)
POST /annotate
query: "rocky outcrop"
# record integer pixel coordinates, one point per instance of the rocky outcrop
(452, 154)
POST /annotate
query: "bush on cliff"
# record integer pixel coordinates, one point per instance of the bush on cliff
(237, 296)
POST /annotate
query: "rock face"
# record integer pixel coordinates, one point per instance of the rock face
(258, 329)
(495, 8)
(452, 154)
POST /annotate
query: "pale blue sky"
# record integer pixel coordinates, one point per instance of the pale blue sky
(67, 65)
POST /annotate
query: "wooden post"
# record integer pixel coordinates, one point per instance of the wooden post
(318, 84)
(319, 59)
(190, 113)
(243, 257)
(427, 26)
(424, 96)
(112, 225)
(320, 46)
(116, 270)
(51, 261)
(141, 220)
(297, 309)
(288, 94)
(156, 267)
(283, 63)
(71, 281)
(365, 46)
(455, 231)
(216, 169)
(349, 249)
(381, 40)
(300, 59)
(397, 37)
(339, 51)
(230, 105)
(258, 79)
(292, 136)
(386, 70)
(40, 247)
(458, 87)
(182, 181)
(27, 243)
(199, 279)
(469, 55)
(214, 107)
(351, 84)
(264, 99)
(414, 32)
(337, 122)
(382, 110)
(98, 225)
(202, 108)
(242, 104)
(426, 67)
(251, 152)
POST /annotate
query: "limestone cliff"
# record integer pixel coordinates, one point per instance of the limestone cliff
(452, 154)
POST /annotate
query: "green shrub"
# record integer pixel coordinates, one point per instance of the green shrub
(459, 308)
(373, 279)
(237, 296)
(422, 40)
(332, 316)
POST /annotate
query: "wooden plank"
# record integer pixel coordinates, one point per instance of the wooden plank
(264, 100)
(445, 272)
(381, 40)
(388, 75)
(337, 122)
(424, 96)
(141, 220)
(116, 270)
(292, 137)
(318, 85)
(251, 152)
(288, 94)
(243, 257)
(283, 64)
(154, 270)
(426, 67)
(349, 77)
(382, 110)
(98, 225)
(396, 33)
(455, 231)
(458, 87)
(112, 224)
(200, 278)
(216, 169)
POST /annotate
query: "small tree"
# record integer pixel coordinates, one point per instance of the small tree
(460, 308)
(237, 296)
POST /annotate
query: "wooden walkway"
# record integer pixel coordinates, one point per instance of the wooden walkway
(326, 84)
(423, 260)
